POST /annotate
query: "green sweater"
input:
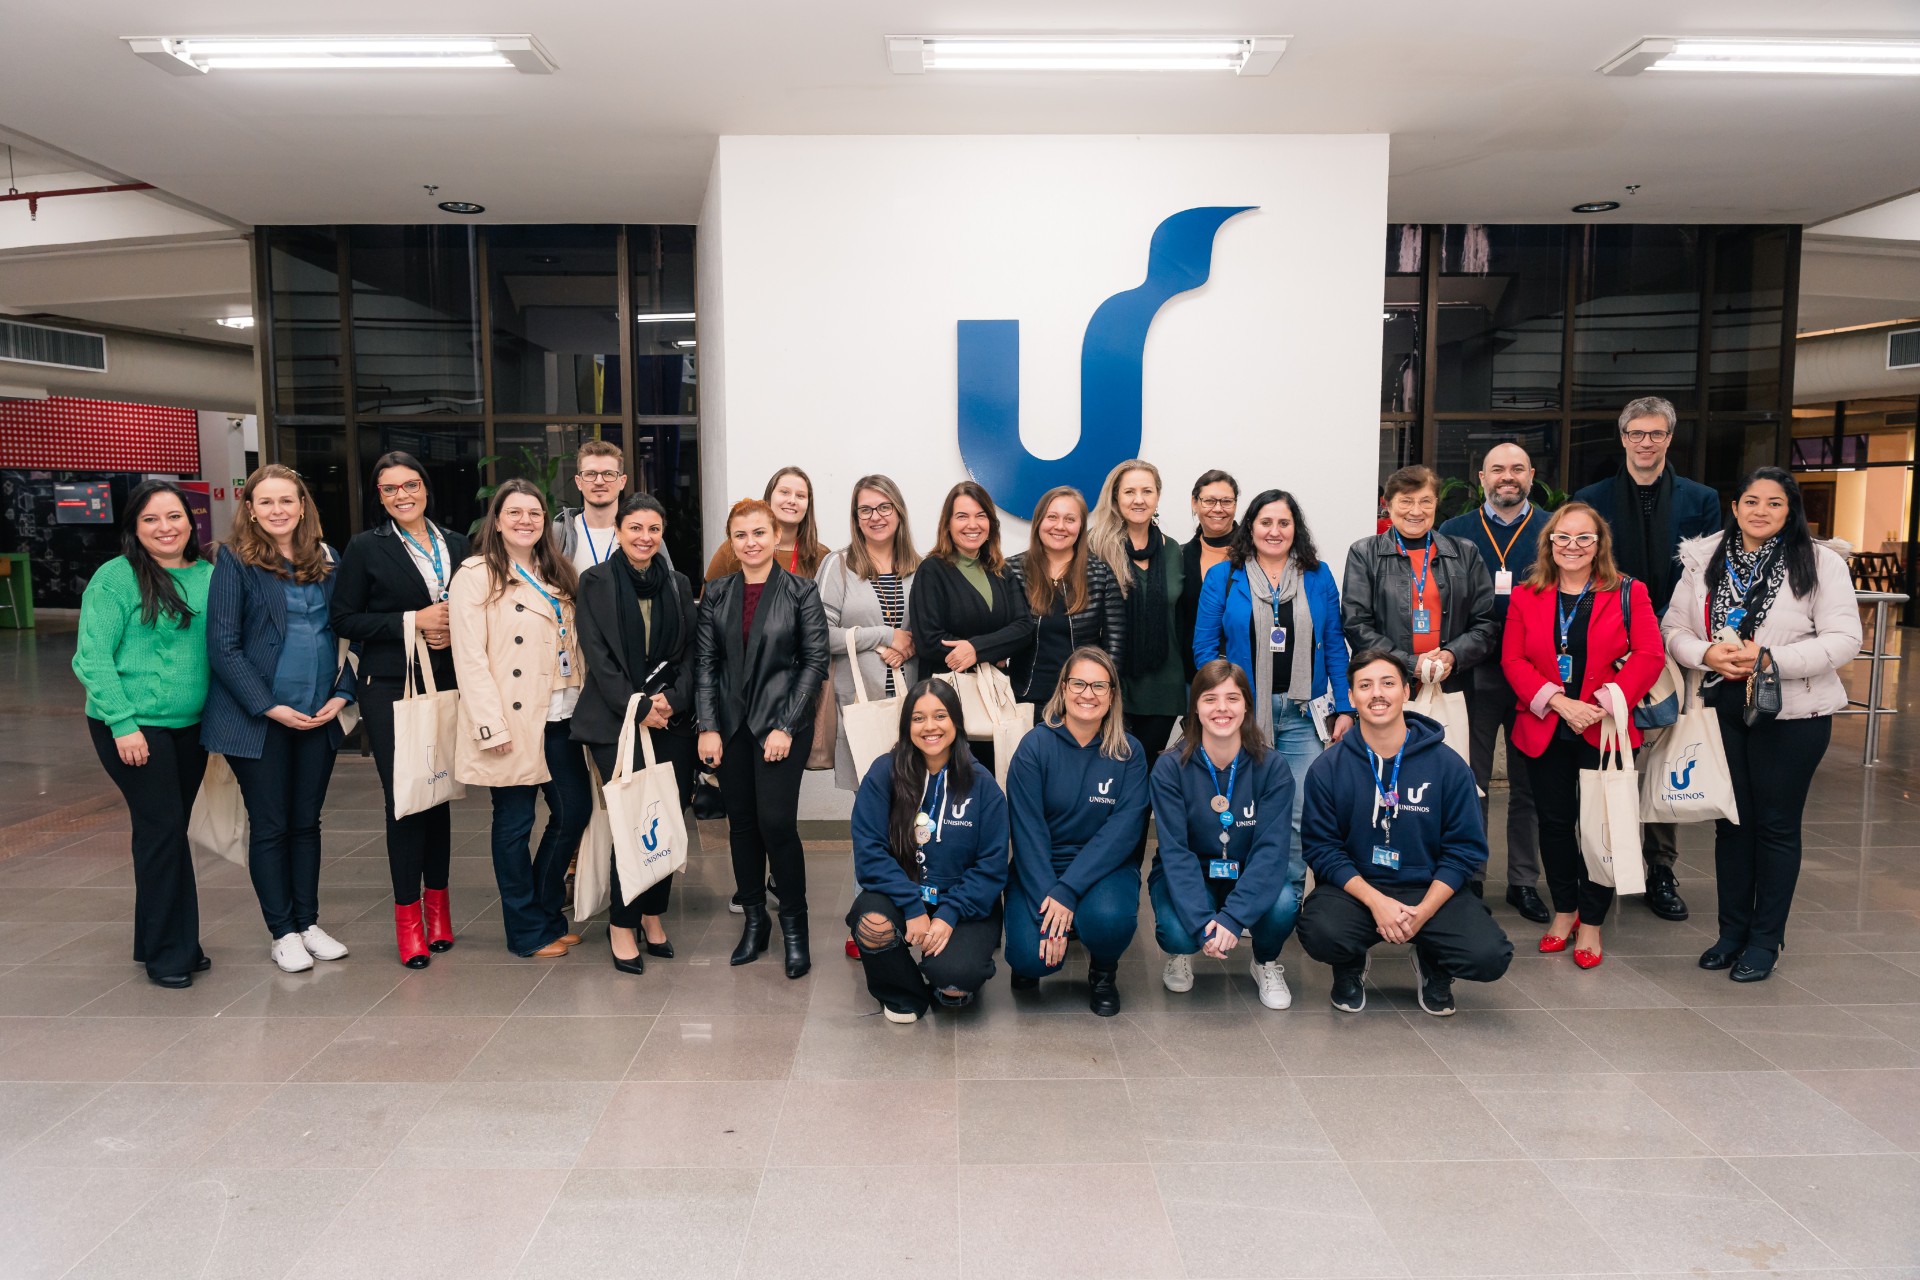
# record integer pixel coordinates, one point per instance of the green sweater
(138, 673)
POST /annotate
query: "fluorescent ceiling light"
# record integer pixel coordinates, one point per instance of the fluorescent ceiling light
(194, 55)
(1241, 55)
(683, 342)
(663, 317)
(1801, 56)
(234, 322)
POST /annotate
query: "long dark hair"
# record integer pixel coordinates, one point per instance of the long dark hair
(1041, 592)
(159, 593)
(1796, 539)
(943, 546)
(1209, 677)
(1240, 548)
(910, 769)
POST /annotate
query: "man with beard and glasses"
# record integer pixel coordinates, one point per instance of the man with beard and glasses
(1506, 528)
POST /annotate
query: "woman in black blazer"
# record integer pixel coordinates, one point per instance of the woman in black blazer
(636, 618)
(760, 660)
(402, 566)
(968, 607)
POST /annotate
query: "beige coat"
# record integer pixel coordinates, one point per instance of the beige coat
(506, 652)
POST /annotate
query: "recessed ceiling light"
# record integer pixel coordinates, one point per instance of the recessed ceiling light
(1241, 55)
(1818, 57)
(663, 317)
(195, 55)
(683, 342)
(1597, 206)
(234, 322)
(462, 206)
(545, 259)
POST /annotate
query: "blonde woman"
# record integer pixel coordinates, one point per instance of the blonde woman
(864, 588)
(1151, 571)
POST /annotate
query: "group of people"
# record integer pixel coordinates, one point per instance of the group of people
(1255, 707)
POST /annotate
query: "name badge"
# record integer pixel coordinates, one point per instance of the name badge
(1737, 617)
(1422, 622)
(1503, 582)
(566, 664)
(1277, 640)
(1223, 869)
(1385, 856)
(930, 895)
(1566, 667)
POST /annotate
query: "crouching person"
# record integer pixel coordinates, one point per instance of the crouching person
(1391, 827)
(930, 862)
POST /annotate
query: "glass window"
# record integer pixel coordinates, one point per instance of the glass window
(317, 449)
(1502, 312)
(1404, 244)
(663, 349)
(416, 329)
(1749, 300)
(1462, 445)
(1636, 327)
(1400, 346)
(303, 295)
(556, 338)
(450, 454)
(1594, 451)
(1735, 448)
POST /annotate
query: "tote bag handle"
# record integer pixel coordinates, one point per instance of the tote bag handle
(417, 655)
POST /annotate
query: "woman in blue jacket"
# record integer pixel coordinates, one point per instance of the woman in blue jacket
(274, 701)
(1275, 598)
(930, 860)
(1078, 798)
(1220, 801)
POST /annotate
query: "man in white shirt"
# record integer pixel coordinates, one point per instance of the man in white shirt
(587, 534)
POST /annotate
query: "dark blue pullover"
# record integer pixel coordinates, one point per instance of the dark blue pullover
(966, 861)
(1189, 832)
(1438, 833)
(1076, 815)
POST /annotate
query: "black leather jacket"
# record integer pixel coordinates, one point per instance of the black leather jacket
(1376, 603)
(769, 682)
(1035, 668)
(602, 709)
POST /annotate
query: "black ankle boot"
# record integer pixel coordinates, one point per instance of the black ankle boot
(793, 925)
(753, 938)
(1104, 999)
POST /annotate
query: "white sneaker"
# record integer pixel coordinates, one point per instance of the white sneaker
(1271, 979)
(291, 954)
(902, 1016)
(321, 945)
(1178, 975)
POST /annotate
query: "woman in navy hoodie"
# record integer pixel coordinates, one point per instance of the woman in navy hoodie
(1223, 806)
(930, 860)
(1077, 793)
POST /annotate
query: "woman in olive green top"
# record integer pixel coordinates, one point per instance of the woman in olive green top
(142, 658)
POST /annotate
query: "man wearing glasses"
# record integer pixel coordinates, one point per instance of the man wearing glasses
(1650, 511)
(587, 534)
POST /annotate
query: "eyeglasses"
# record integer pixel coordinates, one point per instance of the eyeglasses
(600, 477)
(1580, 540)
(395, 490)
(1217, 504)
(882, 511)
(1100, 687)
(1645, 437)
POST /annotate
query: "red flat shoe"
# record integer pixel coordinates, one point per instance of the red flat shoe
(853, 949)
(1553, 944)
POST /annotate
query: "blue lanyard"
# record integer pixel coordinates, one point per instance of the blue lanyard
(1233, 771)
(1389, 798)
(1747, 586)
(936, 789)
(1565, 620)
(1426, 566)
(431, 553)
(551, 599)
(593, 550)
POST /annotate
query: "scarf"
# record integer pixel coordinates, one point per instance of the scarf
(1764, 571)
(1264, 596)
(1650, 560)
(1147, 639)
(646, 647)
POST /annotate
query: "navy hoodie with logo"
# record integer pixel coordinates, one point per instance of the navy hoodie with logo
(966, 859)
(1438, 832)
(1075, 814)
(1189, 831)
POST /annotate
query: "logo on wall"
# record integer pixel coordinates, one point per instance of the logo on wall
(1112, 356)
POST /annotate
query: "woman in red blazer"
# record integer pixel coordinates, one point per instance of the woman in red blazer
(1567, 634)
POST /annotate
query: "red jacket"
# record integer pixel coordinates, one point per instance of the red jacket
(1530, 651)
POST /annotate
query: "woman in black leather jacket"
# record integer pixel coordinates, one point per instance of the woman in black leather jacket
(1072, 596)
(759, 661)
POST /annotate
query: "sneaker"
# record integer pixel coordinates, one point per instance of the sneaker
(1271, 980)
(733, 905)
(1178, 975)
(1435, 989)
(291, 954)
(902, 1016)
(1350, 987)
(321, 945)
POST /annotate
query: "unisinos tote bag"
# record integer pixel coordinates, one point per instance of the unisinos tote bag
(1450, 710)
(1686, 777)
(1007, 718)
(643, 813)
(1610, 808)
(872, 724)
(592, 887)
(426, 724)
(219, 822)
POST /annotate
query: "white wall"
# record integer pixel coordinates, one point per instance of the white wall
(829, 339)
(224, 441)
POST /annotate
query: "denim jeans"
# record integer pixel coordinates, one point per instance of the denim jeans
(1270, 931)
(285, 789)
(1108, 914)
(1298, 743)
(533, 892)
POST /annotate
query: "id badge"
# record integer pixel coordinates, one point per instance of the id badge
(1503, 582)
(1737, 617)
(930, 895)
(1223, 869)
(1422, 622)
(1566, 667)
(566, 664)
(1277, 640)
(1385, 856)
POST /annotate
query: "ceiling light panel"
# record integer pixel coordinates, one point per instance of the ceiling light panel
(1239, 55)
(1798, 56)
(196, 55)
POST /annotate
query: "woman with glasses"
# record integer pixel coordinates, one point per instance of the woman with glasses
(864, 588)
(1077, 796)
(1071, 596)
(1216, 496)
(403, 566)
(1574, 626)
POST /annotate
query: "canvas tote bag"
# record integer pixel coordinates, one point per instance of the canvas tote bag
(1450, 710)
(643, 812)
(872, 724)
(219, 822)
(1610, 807)
(592, 885)
(426, 725)
(1007, 718)
(1686, 778)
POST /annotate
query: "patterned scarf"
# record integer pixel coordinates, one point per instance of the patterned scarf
(1764, 571)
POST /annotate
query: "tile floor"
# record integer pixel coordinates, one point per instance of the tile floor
(492, 1116)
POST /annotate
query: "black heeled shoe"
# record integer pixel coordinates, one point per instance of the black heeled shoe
(202, 965)
(637, 965)
(171, 981)
(793, 928)
(662, 949)
(1755, 965)
(1721, 955)
(753, 936)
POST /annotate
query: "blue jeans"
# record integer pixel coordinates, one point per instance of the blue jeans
(1270, 931)
(1298, 742)
(533, 893)
(1108, 914)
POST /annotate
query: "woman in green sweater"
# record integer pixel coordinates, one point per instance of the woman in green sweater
(142, 658)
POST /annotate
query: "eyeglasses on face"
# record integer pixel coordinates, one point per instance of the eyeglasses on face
(1579, 540)
(600, 477)
(1645, 437)
(395, 490)
(1217, 504)
(1099, 687)
(881, 511)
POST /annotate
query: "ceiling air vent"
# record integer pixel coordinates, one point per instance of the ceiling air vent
(59, 348)
(1903, 349)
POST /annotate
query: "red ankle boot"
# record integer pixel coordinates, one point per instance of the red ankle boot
(408, 935)
(439, 914)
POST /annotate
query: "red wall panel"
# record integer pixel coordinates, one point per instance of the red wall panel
(66, 434)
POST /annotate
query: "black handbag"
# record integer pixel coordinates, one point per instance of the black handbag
(1763, 691)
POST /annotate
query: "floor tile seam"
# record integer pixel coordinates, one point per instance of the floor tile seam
(1790, 1215)
(760, 1180)
(7, 1158)
(1373, 1211)
(1633, 1078)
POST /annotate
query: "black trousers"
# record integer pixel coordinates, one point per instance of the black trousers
(1490, 712)
(679, 750)
(1556, 789)
(1153, 732)
(895, 979)
(159, 796)
(1463, 940)
(763, 819)
(420, 845)
(1757, 863)
(285, 790)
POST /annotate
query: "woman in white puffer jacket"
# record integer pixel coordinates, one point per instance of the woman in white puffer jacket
(1765, 586)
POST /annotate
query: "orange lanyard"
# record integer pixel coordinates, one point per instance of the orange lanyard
(1517, 531)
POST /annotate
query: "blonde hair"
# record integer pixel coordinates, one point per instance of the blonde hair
(1107, 528)
(1545, 574)
(856, 559)
(1113, 728)
(251, 543)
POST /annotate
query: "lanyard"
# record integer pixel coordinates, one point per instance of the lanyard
(1746, 587)
(937, 820)
(1518, 529)
(1426, 566)
(593, 550)
(550, 598)
(1389, 799)
(431, 554)
(1565, 620)
(1223, 800)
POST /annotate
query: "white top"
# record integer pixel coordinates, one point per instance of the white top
(421, 553)
(561, 703)
(591, 546)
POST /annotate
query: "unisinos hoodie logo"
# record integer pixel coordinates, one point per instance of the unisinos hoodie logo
(1112, 356)
(957, 813)
(1101, 794)
(1410, 799)
(1680, 776)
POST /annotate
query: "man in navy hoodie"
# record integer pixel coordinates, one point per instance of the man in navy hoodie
(1391, 827)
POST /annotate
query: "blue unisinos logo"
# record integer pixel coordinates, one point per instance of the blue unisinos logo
(1680, 776)
(1112, 357)
(651, 840)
